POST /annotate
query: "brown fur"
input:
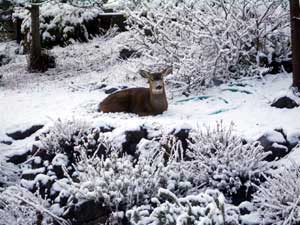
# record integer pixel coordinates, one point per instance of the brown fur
(141, 101)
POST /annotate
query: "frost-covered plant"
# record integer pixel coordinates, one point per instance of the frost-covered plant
(64, 135)
(221, 160)
(123, 183)
(278, 199)
(134, 4)
(61, 23)
(18, 206)
(211, 39)
(205, 208)
(8, 173)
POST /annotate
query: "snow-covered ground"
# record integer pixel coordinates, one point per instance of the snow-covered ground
(71, 90)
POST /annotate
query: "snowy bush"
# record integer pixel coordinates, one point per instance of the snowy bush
(212, 40)
(278, 199)
(62, 23)
(63, 135)
(8, 173)
(222, 161)
(122, 183)
(18, 206)
(205, 208)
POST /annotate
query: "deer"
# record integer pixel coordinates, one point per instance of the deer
(141, 101)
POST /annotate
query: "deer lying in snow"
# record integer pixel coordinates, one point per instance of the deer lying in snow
(142, 101)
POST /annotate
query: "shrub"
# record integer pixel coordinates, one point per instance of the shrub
(61, 23)
(8, 173)
(122, 184)
(222, 161)
(211, 40)
(278, 199)
(18, 206)
(205, 208)
(64, 135)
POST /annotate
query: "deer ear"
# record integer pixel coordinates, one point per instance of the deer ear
(167, 71)
(144, 73)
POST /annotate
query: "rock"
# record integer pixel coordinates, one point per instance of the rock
(30, 174)
(22, 134)
(36, 162)
(293, 139)
(132, 140)
(4, 59)
(284, 102)
(277, 65)
(246, 208)
(6, 142)
(217, 82)
(18, 157)
(100, 86)
(276, 143)
(127, 53)
(87, 212)
(110, 90)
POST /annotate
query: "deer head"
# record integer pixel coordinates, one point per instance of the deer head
(156, 80)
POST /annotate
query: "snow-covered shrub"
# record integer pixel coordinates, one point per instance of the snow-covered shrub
(122, 183)
(62, 23)
(68, 138)
(278, 199)
(18, 206)
(212, 39)
(205, 208)
(64, 135)
(8, 173)
(222, 161)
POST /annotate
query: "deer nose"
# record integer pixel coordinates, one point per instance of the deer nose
(159, 87)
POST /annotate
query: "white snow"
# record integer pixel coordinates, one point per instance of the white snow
(60, 160)
(70, 91)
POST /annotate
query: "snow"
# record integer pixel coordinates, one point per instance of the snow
(252, 218)
(292, 159)
(60, 160)
(274, 137)
(70, 91)
(293, 138)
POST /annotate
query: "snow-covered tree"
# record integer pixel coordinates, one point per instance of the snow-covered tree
(212, 40)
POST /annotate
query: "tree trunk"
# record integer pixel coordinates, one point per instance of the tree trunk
(295, 37)
(35, 48)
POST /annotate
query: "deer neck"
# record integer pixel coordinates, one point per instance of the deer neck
(159, 101)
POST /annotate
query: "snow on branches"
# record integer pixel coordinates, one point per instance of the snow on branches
(205, 208)
(122, 183)
(61, 23)
(18, 206)
(278, 199)
(223, 161)
(211, 40)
